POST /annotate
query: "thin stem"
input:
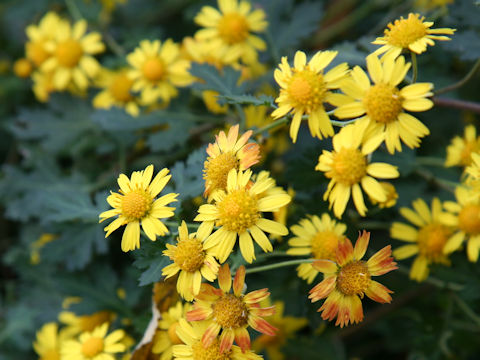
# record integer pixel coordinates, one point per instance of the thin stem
(73, 10)
(276, 123)
(430, 161)
(466, 309)
(342, 123)
(112, 43)
(462, 82)
(434, 281)
(414, 66)
(457, 104)
(176, 224)
(278, 265)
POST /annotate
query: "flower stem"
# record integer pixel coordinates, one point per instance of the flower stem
(414, 66)
(278, 265)
(73, 10)
(342, 123)
(430, 161)
(276, 123)
(457, 104)
(462, 82)
(466, 309)
(176, 224)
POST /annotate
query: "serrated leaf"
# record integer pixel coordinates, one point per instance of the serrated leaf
(154, 271)
(187, 177)
(225, 83)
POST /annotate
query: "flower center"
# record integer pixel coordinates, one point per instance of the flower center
(432, 239)
(238, 211)
(172, 334)
(469, 219)
(307, 89)
(68, 53)
(217, 169)
(405, 31)
(230, 312)
(120, 88)
(233, 28)
(90, 322)
(324, 245)
(349, 166)
(136, 204)
(52, 354)
(353, 278)
(210, 353)
(383, 103)
(189, 255)
(154, 69)
(92, 347)
(37, 53)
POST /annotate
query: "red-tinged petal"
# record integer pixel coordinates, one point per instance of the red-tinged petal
(379, 293)
(198, 314)
(226, 340)
(331, 305)
(261, 325)
(263, 312)
(344, 312)
(323, 289)
(381, 262)
(242, 338)
(210, 334)
(256, 296)
(344, 252)
(224, 278)
(239, 281)
(361, 245)
(325, 266)
(208, 293)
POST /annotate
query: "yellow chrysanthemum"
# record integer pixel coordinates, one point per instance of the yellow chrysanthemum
(231, 29)
(318, 237)
(75, 324)
(72, 62)
(427, 242)
(137, 204)
(158, 70)
(304, 90)
(116, 91)
(94, 345)
(382, 104)
(412, 33)
(42, 85)
(238, 213)
(348, 167)
(460, 149)
(192, 260)
(464, 217)
(349, 278)
(207, 52)
(49, 341)
(391, 193)
(226, 153)
(22, 68)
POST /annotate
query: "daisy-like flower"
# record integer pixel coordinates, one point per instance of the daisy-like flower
(412, 33)
(136, 204)
(472, 172)
(349, 278)
(49, 341)
(238, 213)
(193, 349)
(95, 345)
(158, 70)
(231, 313)
(427, 242)
(75, 324)
(464, 217)
(391, 199)
(460, 149)
(72, 62)
(318, 237)
(192, 260)
(231, 29)
(226, 153)
(348, 167)
(304, 90)
(42, 85)
(116, 91)
(382, 104)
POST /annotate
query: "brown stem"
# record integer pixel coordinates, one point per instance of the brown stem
(457, 104)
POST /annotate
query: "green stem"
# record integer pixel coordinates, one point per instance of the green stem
(434, 281)
(430, 161)
(176, 224)
(462, 82)
(112, 43)
(73, 10)
(414, 66)
(276, 123)
(278, 265)
(342, 123)
(466, 309)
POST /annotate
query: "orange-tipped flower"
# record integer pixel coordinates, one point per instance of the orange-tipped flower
(231, 313)
(349, 278)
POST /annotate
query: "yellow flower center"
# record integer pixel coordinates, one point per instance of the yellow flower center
(22, 68)
(51, 354)
(90, 322)
(432, 239)
(353, 278)
(120, 88)
(405, 31)
(68, 53)
(210, 353)
(136, 204)
(189, 254)
(469, 219)
(217, 169)
(37, 53)
(349, 166)
(233, 28)
(154, 69)
(383, 103)
(92, 346)
(324, 245)
(238, 211)
(230, 312)
(307, 89)
(172, 334)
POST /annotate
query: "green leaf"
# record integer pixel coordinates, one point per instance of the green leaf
(225, 83)
(187, 177)
(246, 100)
(465, 44)
(151, 260)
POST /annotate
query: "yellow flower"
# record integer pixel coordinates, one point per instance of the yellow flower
(42, 85)
(304, 90)
(460, 149)
(391, 193)
(428, 242)
(412, 33)
(426, 5)
(49, 341)
(136, 204)
(116, 91)
(94, 345)
(348, 167)
(382, 104)
(238, 213)
(85, 323)
(72, 62)
(226, 153)
(207, 52)
(38, 244)
(231, 29)
(158, 70)
(22, 68)
(349, 278)
(318, 237)
(209, 98)
(472, 172)
(192, 260)
(281, 214)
